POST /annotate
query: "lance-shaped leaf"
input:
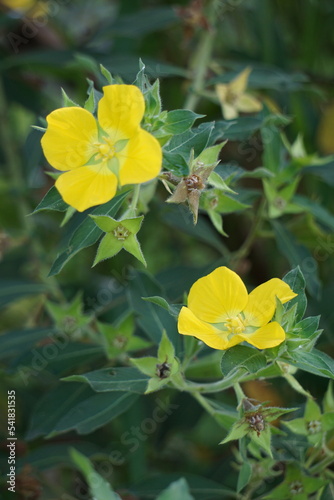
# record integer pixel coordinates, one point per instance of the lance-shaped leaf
(119, 234)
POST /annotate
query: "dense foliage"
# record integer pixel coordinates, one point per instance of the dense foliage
(166, 244)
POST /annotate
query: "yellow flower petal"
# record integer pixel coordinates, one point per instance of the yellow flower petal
(217, 296)
(239, 84)
(87, 186)
(67, 143)
(267, 336)
(121, 110)
(248, 104)
(141, 159)
(189, 324)
(262, 301)
(230, 111)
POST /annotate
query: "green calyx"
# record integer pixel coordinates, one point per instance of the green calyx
(119, 234)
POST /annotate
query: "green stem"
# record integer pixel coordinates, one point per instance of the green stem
(320, 466)
(239, 392)
(135, 198)
(202, 58)
(253, 232)
(204, 403)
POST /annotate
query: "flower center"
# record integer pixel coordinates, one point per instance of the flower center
(314, 426)
(105, 150)
(231, 97)
(121, 233)
(235, 325)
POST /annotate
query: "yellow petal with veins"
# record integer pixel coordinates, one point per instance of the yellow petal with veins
(218, 296)
(68, 140)
(189, 324)
(262, 301)
(141, 159)
(121, 110)
(87, 186)
(267, 336)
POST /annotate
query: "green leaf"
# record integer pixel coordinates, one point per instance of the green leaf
(174, 310)
(295, 279)
(86, 234)
(308, 327)
(175, 163)
(99, 488)
(273, 150)
(52, 201)
(220, 202)
(11, 290)
(216, 181)
(151, 318)
(180, 120)
(245, 475)
(298, 254)
(316, 362)
(18, 341)
(94, 412)
(56, 357)
(178, 490)
(241, 356)
(125, 379)
(197, 139)
(53, 405)
(217, 222)
(319, 212)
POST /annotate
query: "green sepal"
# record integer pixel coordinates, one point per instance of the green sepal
(155, 384)
(166, 351)
(107, 75)
(147, 365)
(131, 245)
(111, 244)
(67, 101)
(239, 430)
(210, 155)
(262, 439)
(109, 247)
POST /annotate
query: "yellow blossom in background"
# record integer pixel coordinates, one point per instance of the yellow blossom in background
(222, 314)
(100, 155)
(233, 99)
(22, 5)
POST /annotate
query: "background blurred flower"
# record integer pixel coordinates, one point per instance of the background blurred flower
(233, 99)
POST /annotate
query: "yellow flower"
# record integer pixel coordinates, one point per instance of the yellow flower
(233, 98)
(23, 5)
(222, 314)
(100, 155)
